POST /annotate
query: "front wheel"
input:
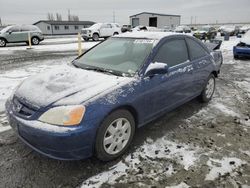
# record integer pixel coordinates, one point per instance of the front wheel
(95, 37)
(208, 91)
(35, 41)
(2, 42)
(114, 135)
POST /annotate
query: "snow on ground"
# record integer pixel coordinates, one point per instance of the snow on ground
(223, 166)
(52, 47)
(161, 149)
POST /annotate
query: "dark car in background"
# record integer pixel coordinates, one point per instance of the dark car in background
(126, 28)
(242, 49)
(205, 32)
(94, 105)
(17, 34)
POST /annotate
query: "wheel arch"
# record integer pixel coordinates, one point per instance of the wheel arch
(215, 73)
(130, 109)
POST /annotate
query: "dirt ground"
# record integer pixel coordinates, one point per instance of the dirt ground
(196, 145)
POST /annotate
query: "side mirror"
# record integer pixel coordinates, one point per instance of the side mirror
(156, 68)
(9, 32)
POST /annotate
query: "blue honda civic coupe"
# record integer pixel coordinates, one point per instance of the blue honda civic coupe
(94, 105)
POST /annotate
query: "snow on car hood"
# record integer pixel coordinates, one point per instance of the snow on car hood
(54, 85)
(246, 38)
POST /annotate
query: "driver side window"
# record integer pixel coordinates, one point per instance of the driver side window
(173, 52)
(14, 29)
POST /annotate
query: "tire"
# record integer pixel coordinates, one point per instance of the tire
(2, 42)
(236, 57)
(118, 136)
(35, 41)
(95, 37)
(86, 39)
(208, 91)
(115, 33)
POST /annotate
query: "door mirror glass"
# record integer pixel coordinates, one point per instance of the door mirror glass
(156, 68)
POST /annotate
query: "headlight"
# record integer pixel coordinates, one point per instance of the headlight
(64, 115)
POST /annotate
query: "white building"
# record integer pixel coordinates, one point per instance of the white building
(155, 20)
(62, 27)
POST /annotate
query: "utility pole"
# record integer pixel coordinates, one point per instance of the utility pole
(0, 22)
(113, 16)
(191, 20)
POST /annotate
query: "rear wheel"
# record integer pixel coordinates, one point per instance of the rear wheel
(35, 41)
(114, 135)
(2, 42)
(95, 37)
(208, 91)
(86, 39)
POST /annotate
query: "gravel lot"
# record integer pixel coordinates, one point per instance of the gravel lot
(197, 145)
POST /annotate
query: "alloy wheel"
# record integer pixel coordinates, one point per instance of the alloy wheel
(117, 136)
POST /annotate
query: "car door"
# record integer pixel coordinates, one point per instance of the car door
(106, 30)
(201, 61)
(172, 89)
(14, 34)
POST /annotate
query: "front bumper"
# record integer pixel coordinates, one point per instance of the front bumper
(86, 36)
(63, 143)
(241, 51)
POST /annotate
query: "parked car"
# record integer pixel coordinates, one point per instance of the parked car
(146, 28)
(182, 29)
(230, 30)
(205, 32)
(100, 30)
(95, 104)
(126, 28)
(244, 29)
(17, 34)
(242, 49)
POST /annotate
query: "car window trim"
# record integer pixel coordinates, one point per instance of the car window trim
(171, 39)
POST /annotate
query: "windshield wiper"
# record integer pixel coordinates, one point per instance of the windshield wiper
(97, 69)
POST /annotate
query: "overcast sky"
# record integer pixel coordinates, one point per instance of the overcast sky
(205, 11)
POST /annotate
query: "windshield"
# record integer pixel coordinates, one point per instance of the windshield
(120, 56)
(95, 26)
(4, 30)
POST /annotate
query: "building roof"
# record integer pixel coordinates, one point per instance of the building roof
(155, 14)
(65, 22)
(146, 35)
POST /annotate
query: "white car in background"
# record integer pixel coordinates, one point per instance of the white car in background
(100, 30)
(182, 29)
(146, 28)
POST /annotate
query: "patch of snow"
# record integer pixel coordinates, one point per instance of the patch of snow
(162, 148)
(225, 109)
(181, 185)
(221, 167)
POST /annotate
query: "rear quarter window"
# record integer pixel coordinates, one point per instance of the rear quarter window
(196, 50)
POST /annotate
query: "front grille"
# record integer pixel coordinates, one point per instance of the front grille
(84, 32)
(22, 109)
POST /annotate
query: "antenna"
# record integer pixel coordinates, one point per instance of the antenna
(113, 16)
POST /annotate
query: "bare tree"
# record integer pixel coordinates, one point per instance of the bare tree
(58, 17)
(50, 16)
(75, 18)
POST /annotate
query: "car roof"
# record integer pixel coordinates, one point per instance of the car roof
(147, 35)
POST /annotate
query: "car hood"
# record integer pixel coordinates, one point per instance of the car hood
(55, 85)
(200, 32)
